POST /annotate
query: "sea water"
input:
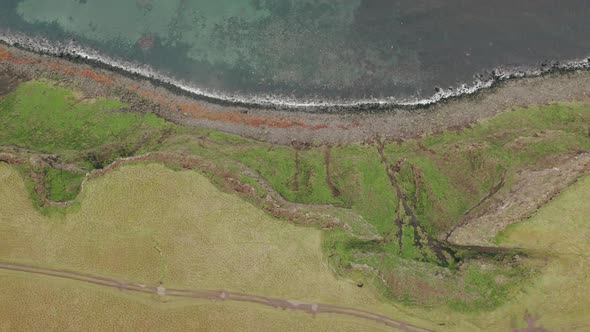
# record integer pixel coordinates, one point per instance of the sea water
(310, 51)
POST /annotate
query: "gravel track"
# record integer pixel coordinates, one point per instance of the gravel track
(308, 307)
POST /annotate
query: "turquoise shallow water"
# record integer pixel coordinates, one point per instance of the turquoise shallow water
(322, 50)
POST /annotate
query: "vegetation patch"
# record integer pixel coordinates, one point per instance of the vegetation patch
(386, 207)
(141, 220)
(41, 117)
(62, 185)
(558, 233)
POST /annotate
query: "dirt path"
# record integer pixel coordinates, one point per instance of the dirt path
(532, 189)
(161, 291)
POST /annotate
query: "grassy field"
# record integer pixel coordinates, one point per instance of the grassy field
(454, 170)
(154, 225)
(192, 238)
(47, 118)
(561, 233)
(62, 185)
(441, 177)
(47, 304)
(557, 297)
(50, 119)
(150, 224)
(91, 132)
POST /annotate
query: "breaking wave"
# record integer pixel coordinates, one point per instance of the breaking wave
(74, 50)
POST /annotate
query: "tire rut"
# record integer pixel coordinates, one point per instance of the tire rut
(305, 306)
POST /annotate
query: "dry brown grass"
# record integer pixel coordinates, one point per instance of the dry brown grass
(149, 224)
(46, 304)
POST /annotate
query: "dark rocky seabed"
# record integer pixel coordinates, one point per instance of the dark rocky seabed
(315, 50)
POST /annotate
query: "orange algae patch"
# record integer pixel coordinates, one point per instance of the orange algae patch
(5, 55)
(191, 108)
(91, 74)
(61, 68)
(355, 124)
(321, 126)
(200, 112)
(236, 117)
(88, 73)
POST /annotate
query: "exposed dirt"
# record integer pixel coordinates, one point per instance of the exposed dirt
(329, 183)
(163, 293)
(12, 159)
(406, 215)
(36, 165)
(531, 190)
(8, 82)
(492, 192)
(273, 202)
(531, 322)
(286, 126)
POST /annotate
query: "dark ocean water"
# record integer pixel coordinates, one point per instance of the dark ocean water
(313, 50)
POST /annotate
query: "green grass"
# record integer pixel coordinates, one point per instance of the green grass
(299, 176)
(355, 171)
(479, 285)
(407, 242)
(89, 133)
(208, 240)
(62, 185)
(441, 176)
(369, 189)
(483, 283)
(455, 169)
(558, 234)
(138, 219)
(48, 118)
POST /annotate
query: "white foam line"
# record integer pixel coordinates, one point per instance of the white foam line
(42, 45)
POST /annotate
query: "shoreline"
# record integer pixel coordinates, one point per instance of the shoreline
(286, 126)
(84, 55)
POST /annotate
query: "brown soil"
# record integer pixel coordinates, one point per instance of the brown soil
(327, 158)
(160, 291)
(8, 82)
(36, 165)
(492, 192)
(11, 159)
(406, 216)
(273, 202)
(285, 127)
(531, 322)
(531, 190)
